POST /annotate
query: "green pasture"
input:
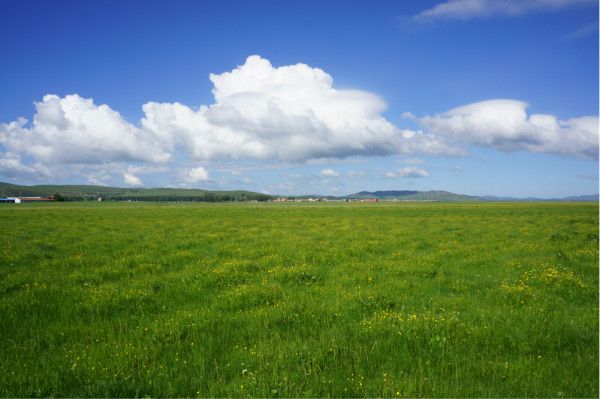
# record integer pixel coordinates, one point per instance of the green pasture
(299, 300)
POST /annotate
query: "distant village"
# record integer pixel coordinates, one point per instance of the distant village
(328, 199)
(311, 199)
(18, 200)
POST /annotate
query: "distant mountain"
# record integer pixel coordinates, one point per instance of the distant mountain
(583, 198)
(445, 196)
(386, 194)
(579, 198)
(408, 195)
(85, 192)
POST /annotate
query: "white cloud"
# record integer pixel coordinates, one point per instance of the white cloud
(12, 166)
(355, 175)
(469, 9)
(100, 178)
(410, 171)
(412, 161)
(408, 115)
(196, 175)
(330, 173)
(585, 30)
(289, 113)
(75, 130)
(505, 125)
(284, 114)
(130, 178)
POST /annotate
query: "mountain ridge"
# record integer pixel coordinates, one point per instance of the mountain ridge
(87, 192)
(446, 196)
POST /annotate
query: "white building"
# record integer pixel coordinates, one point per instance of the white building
(13, 200)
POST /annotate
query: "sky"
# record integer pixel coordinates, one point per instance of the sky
(478, 97)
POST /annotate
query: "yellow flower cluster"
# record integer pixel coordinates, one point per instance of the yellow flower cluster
(385, 318)
(548, 276)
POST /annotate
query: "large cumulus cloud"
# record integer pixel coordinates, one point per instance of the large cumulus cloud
(75, 130)
(505, 125)
(289, 113)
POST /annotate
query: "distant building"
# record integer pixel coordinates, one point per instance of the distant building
(18, 200)
(13, 200)
(362, 199)
(36, 199)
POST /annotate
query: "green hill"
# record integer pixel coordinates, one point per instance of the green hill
(445, 196)
(407, 195)
(85, 192)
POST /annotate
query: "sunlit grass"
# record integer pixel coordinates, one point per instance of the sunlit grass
(299, 300)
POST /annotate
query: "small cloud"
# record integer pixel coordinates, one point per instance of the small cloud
(583, 31)
(330, 173)
(196, 175)
(99, 179)
(132, 179)
(11, 165)
(412, 161)
(472, 9)
(410, 172)
(409, 116)
(355, 175)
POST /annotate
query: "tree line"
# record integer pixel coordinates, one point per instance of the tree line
(208, 197)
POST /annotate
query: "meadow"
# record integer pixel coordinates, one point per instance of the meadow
(299, 300)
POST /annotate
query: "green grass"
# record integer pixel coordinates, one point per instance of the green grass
(286, 300)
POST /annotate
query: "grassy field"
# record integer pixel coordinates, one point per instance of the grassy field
(286, 300)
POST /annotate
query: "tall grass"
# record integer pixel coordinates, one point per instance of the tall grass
(277, 300)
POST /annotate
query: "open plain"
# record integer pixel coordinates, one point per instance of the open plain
(290, 300)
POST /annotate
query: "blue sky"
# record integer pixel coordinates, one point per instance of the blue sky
(378, 104)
